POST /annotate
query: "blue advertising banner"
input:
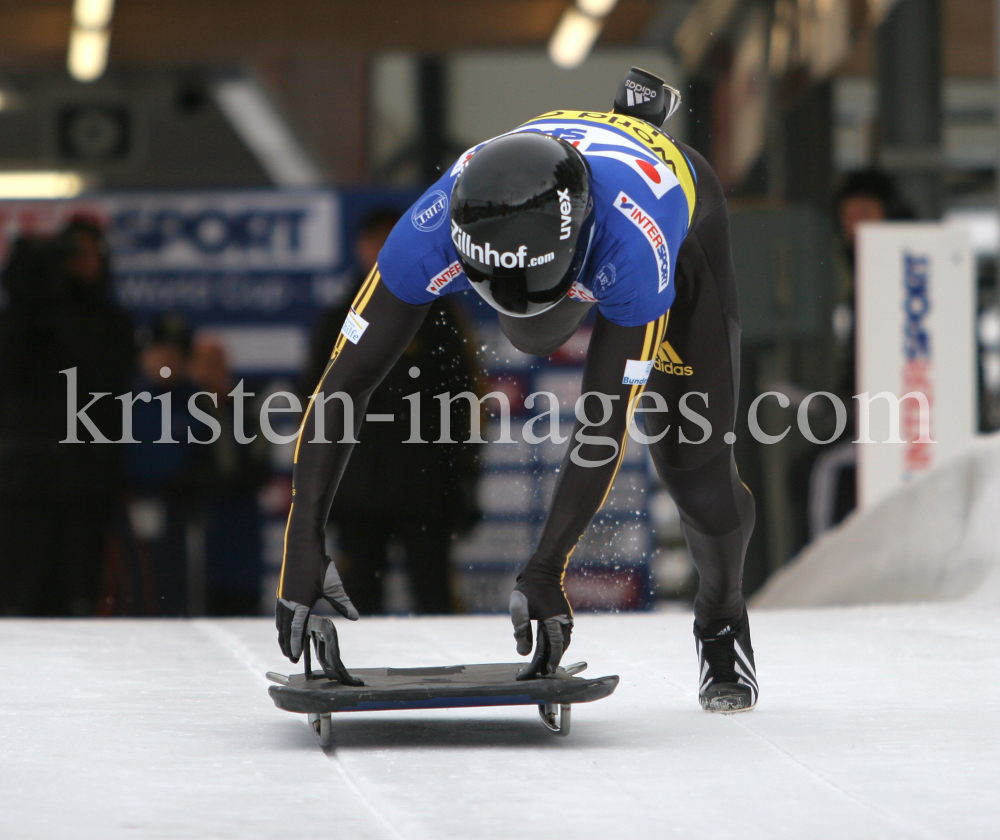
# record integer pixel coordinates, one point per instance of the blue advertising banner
(252, 267)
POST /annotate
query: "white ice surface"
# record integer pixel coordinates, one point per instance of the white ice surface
(876, 722)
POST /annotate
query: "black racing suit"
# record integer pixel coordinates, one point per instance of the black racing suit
(695, 346)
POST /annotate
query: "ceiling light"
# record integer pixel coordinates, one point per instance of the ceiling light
(88, 54)
(40, 184)
(596, 8)
(93, 14)
(573, 39)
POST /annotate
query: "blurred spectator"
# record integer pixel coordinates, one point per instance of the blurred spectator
(163, 468)
(57, 499)
(865, 196)
(233, 473)
(419, 494)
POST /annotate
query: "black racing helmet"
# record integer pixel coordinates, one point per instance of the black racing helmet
(521, 221)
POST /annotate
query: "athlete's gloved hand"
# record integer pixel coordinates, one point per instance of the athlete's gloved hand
(291, 617)
(538, 595)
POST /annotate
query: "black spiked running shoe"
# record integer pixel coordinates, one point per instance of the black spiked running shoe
(726, 673)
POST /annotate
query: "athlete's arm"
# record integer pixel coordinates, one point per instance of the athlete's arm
(585, 479)
(355, 369)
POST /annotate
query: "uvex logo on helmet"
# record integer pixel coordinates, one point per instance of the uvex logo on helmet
(487, 255)
(565, 219)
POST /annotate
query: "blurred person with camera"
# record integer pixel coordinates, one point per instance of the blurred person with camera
(422, 496)
(60, 328)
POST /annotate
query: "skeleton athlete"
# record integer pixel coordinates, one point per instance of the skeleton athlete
(571, 210)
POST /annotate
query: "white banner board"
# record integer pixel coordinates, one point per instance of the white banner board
(916, 312)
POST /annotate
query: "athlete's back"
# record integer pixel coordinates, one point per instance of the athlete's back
(644, 192)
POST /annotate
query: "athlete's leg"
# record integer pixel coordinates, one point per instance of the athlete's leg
(700, 357)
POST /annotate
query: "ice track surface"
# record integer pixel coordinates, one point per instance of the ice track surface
(875, 722)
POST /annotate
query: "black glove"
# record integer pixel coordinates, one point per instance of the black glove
(291, 617)
(538, 595)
